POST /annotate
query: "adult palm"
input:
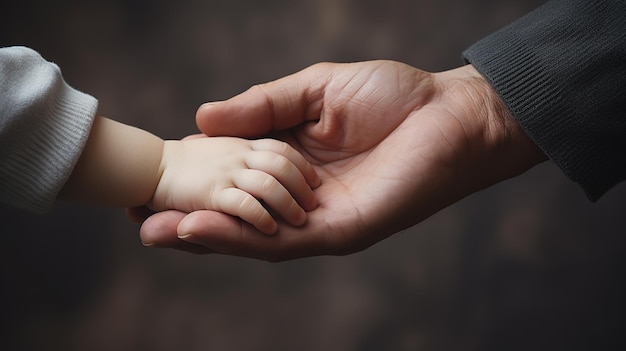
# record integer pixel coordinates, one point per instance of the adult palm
(391, 144)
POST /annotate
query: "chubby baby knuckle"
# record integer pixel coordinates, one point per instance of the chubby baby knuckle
(282, 164)
(281, 146)
(269, 184)
(247, 203)
(273, 145)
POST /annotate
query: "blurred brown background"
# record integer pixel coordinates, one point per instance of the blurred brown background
(529, 264)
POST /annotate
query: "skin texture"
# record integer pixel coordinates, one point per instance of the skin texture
(123, 166)
(391, 144)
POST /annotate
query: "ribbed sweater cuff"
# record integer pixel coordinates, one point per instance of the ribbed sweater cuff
(559, 71)
(41, 164)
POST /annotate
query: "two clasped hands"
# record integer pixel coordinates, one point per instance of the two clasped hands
(389, 146)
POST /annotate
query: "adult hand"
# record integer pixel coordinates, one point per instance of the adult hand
(392, 145)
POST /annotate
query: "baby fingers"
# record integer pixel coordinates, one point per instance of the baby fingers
(284, 149)
(265, 187)
(293, 172)
(237, 202)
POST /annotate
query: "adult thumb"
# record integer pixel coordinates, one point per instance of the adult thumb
(267, 107)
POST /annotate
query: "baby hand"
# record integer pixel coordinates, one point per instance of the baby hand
(239, 177)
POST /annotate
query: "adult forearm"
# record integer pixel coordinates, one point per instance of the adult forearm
(119, 167)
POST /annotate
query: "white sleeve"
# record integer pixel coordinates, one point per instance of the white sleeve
(44, 125)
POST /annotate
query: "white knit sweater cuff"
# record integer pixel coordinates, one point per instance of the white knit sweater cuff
(45, 135)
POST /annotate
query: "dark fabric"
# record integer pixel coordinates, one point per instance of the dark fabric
(561, 70)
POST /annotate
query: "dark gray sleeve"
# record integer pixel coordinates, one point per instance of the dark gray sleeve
(561, 70)
(44, 125)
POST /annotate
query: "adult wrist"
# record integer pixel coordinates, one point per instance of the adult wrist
(498, 144)
(511, 145)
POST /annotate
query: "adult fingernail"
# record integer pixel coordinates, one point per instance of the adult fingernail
(210, 104)
(311, 205)
(273, 229)
(301, 218)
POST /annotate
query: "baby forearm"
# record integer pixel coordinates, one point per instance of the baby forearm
(119, 167)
